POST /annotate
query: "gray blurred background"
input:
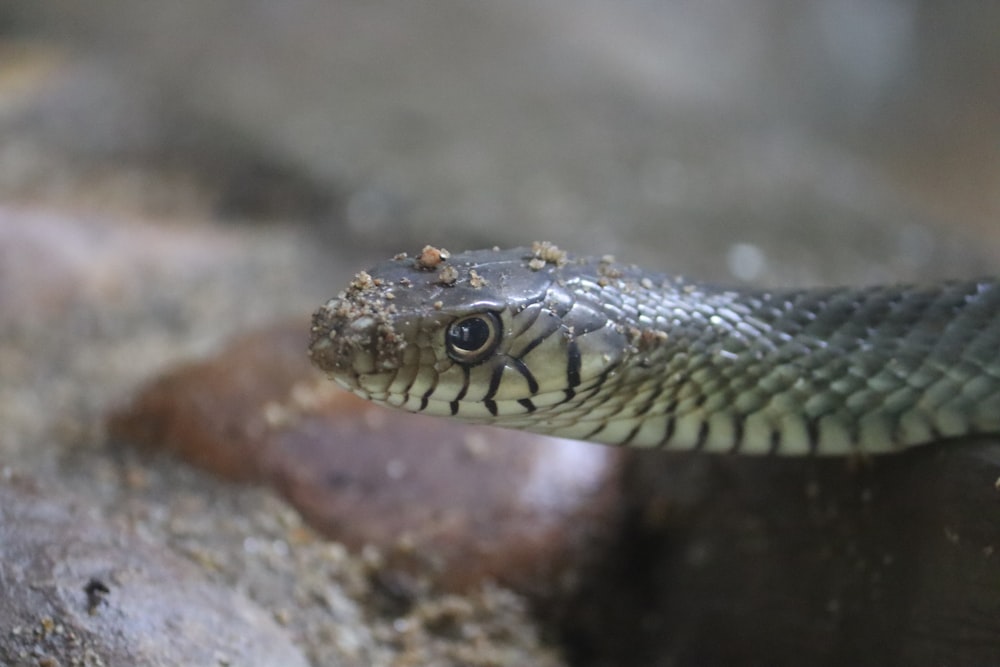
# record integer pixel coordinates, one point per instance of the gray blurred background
(768, 141)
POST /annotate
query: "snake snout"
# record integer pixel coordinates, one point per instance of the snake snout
(351, 338)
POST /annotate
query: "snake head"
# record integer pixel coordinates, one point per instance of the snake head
(485, 336)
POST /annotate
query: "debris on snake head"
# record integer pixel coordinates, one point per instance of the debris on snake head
(437, 331)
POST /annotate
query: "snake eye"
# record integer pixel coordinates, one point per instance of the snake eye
(471, 339)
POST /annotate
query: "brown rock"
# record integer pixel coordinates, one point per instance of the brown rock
(78, 592)
(454, 502)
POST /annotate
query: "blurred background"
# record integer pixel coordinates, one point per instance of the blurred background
(769, 141)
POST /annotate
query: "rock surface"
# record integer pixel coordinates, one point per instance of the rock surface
(79, 591)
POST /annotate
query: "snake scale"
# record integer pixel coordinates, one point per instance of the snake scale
(585, 348)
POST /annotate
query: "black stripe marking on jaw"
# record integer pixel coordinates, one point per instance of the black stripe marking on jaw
(461, 392)
(495, 378)
(523, 369)
(425, 398)
(573, 363)
(465, 384)
(412, 380)
(466, 379)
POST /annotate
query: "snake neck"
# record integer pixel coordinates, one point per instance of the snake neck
(827, 372)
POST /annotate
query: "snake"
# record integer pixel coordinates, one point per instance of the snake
(535, 338)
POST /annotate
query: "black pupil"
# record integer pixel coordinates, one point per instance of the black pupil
(469, 335)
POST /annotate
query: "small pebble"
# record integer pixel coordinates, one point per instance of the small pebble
(431, 257)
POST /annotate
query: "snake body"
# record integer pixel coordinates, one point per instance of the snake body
(586, 348)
